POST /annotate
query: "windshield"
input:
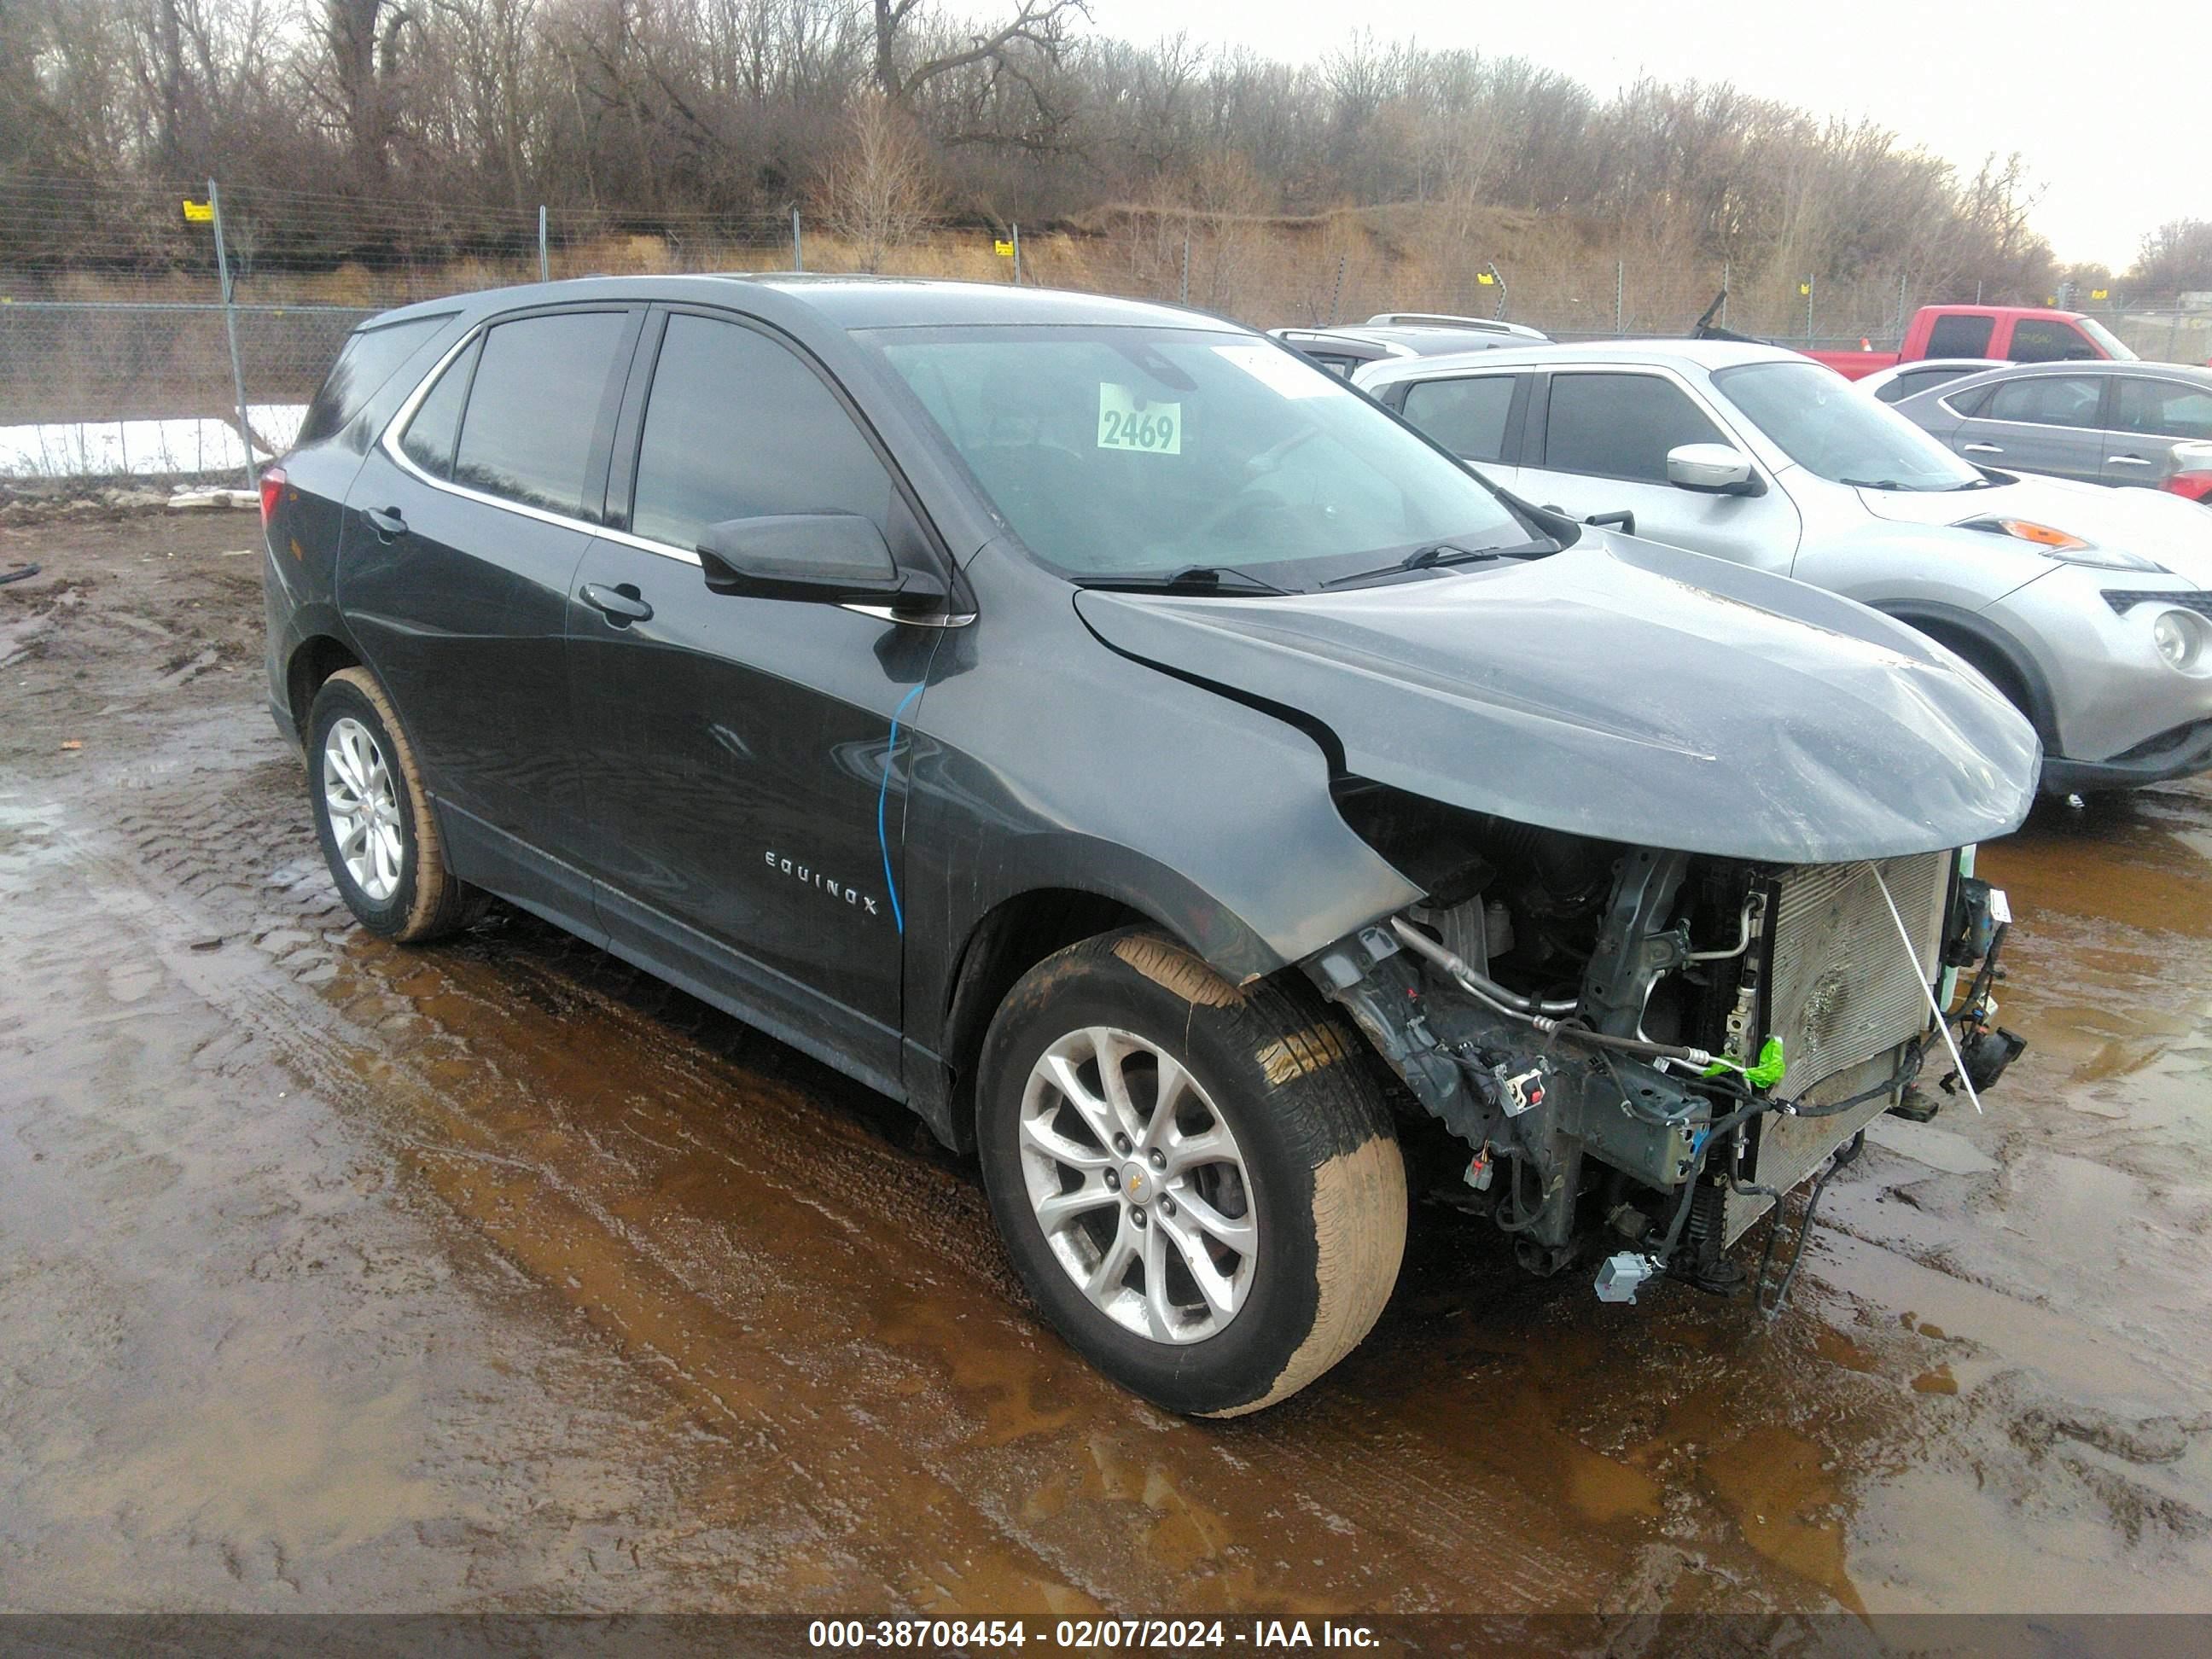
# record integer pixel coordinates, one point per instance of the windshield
(1123, 454)
(1819, 421)
(2115, 348)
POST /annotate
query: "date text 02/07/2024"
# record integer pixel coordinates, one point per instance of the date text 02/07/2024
(1252, 1635)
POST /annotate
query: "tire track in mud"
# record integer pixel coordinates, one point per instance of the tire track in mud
(623, 1211)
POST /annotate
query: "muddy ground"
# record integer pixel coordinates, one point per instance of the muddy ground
(496, 1275)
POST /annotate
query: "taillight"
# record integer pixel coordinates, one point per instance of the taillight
(272, 491)
(2197, 486)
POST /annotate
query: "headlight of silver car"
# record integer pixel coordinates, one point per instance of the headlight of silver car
(2056, 543)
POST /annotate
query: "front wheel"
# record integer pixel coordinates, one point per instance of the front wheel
(1198, 1182)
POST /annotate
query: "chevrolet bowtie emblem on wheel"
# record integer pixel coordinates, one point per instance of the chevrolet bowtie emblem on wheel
(1134, 1184)
(799, 871)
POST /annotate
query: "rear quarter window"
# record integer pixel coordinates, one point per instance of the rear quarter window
(369, 357)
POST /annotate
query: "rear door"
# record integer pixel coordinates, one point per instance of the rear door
(463, 532)
(1597, 442)
(737, 751)
(2150, 415)
(2051, 423)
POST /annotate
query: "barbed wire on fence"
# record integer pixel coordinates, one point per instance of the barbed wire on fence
(117, 332)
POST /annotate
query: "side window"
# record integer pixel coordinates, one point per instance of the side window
(1468, 416)
(436, 423)
(369, 357)
(534, 408)
(1620, 426)
(2038, 340)
(2045, 400)
(1960, 337)
(2164, 409)
(737, 427)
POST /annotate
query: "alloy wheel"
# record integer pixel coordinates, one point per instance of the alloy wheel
(363, 803)
(1139, 1185)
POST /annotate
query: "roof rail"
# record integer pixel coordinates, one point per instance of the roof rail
(1438, 319)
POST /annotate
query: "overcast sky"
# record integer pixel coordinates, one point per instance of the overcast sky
(2107, 103)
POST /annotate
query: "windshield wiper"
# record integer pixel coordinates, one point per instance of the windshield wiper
(1871, 484)
(1429, 554)
(1194, 579)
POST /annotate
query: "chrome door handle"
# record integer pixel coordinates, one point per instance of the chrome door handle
(2127, 460)
(1979, 449)
(619, 607)
(390, 523)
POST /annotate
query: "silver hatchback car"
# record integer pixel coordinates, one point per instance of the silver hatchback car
(2090, 608)
(2148, 425)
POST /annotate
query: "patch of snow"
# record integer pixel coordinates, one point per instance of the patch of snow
(145, 449)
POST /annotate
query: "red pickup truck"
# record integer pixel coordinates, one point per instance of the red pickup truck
(2016, 334)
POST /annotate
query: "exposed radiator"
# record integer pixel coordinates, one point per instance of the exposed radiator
(1843, 996)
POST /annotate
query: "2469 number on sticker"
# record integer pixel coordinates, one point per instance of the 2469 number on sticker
(1126, 422)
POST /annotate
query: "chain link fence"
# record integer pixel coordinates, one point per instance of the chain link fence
(141, 332)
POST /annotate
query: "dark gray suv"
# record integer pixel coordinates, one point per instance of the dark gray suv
(1166, 772)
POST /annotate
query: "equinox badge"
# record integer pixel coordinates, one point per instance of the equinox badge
(813, 878)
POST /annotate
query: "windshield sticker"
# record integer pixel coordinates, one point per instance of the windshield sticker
(1126, 421)
(1280, 372)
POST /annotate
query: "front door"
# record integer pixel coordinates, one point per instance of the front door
(1598, 443)
(738, 753)
(457, 562)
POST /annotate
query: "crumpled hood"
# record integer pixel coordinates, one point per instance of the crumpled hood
(2175, 532)
(1625, 690)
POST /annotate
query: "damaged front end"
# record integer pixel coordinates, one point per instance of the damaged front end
(1636, 1052)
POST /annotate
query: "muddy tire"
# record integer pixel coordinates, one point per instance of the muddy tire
(373, 818)
(1198, 1182)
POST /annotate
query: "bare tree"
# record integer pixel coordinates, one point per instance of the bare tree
(1039, 25)
(878, 194)
(2176, 256)
(366, 44)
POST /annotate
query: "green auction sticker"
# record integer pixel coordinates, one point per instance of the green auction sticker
(1128, 422)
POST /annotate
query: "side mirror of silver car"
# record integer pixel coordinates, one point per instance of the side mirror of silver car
(1712, 470)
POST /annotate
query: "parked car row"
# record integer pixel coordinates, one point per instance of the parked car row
(1215, 804)
(2090, 609)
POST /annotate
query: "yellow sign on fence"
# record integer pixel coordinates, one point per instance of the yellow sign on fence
(2100, 294)
(1003, 250)
(1485, 279)
(198, 213)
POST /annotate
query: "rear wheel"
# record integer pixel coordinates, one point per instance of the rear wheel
(1197, 1181)
(374, 819)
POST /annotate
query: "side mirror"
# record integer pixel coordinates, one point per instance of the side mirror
(1712, 470)
(832, 558)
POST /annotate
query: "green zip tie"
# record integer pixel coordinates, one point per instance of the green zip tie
(1766, 1074)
